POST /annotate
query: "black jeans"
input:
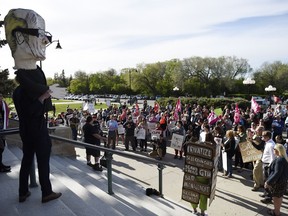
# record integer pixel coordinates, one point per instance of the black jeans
(36, 140)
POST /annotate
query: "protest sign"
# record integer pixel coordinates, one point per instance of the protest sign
(249, 152)
(121, 129)
(177, 141)
(141, 134)
(155, 134)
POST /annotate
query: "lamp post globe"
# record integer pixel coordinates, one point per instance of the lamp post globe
(249, 82)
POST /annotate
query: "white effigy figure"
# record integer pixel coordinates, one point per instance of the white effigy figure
(27, 39)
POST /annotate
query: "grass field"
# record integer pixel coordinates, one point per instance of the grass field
(60, 107)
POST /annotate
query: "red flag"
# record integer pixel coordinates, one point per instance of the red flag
(236, 115)
(136, 113)
(177, 109)
(212, 118)
(156, 107)
(255, 106)
(123, 115)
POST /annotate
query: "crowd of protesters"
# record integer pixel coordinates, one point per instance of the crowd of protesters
(262, 127)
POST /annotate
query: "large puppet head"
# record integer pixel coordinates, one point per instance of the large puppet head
(26, 36)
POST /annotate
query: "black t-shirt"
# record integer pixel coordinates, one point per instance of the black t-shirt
(129, 128)
(89, 130)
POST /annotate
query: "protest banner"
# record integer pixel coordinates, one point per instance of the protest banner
(249, 152)
(177, 141)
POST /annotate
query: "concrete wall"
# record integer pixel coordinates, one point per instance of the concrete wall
(58, 147)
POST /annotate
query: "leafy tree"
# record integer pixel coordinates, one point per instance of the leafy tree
(6, 85)
(272, 74)
(79, 85)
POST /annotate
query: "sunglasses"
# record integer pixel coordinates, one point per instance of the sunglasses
(33, 32)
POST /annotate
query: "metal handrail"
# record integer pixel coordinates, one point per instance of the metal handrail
(108, 155)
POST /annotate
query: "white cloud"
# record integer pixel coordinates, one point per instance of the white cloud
(97, 35)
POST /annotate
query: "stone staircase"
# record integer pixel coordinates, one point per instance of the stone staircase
(84, 192)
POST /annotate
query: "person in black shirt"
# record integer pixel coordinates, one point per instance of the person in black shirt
(92, 136)
(129, 126)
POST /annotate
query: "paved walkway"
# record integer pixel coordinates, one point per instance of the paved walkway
(233, 196)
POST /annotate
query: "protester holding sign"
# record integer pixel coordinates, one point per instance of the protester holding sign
(179, 129)
(229, 149)
(200, 173)
(241, 135)
(121, 130)
(141, 135)
(258, 143)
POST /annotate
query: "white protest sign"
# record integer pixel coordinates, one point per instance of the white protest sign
(121, 129)
(91, 108)
(151, 126)
(141, 134)
(224, 160)
(155, 134)
(177, 141)
(171, 125)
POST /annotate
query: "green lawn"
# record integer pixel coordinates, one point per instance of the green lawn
(63, 107)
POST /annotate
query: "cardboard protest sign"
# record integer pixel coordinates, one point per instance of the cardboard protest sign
(249, 152)
(197, 187)
(190, 196)
(200, 171)
(177, 141)
(201, 150)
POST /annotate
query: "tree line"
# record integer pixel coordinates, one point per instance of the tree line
(194, 76)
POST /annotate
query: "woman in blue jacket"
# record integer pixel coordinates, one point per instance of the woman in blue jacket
(278, 176)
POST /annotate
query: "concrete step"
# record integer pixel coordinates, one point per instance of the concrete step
(9, 204)
(84, 192)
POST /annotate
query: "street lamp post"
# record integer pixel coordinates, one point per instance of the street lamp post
(58, 46)
(249, 82)
(130, 83)
(270, 89)
(176, 89)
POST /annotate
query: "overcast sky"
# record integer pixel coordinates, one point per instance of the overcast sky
(98, 35)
